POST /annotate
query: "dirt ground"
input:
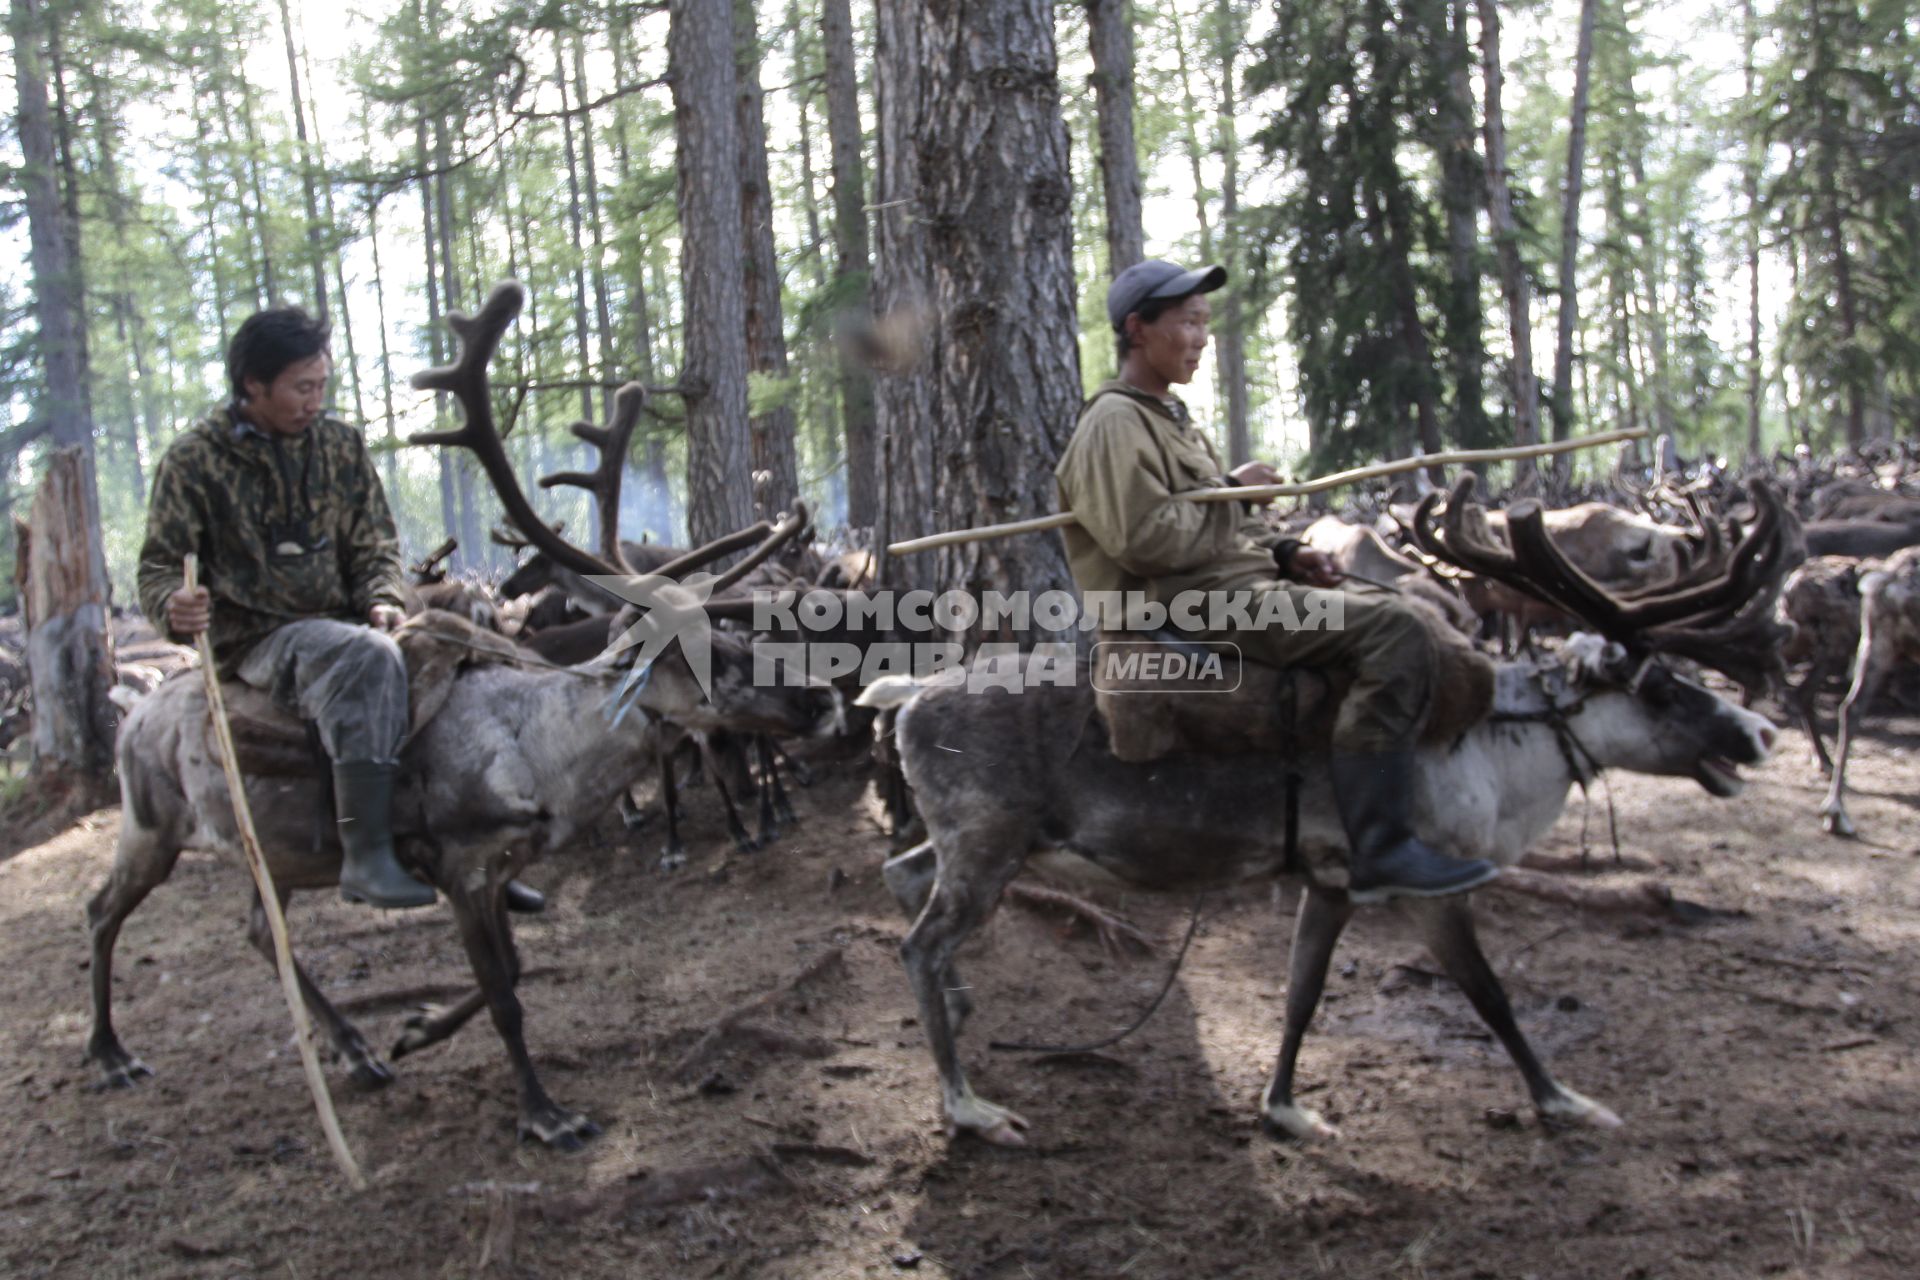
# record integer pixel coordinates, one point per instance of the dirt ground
(1764, 1063)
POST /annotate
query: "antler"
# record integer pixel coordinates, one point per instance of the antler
(1717, 612)
(466, 380)
(430, 570)
(603, 482)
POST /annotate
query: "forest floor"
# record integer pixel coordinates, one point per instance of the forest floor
(1765, 1063)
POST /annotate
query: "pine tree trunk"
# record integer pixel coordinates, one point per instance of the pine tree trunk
(713, 372)
(1230, 326)
(389, 458)
(430, 240)
(776, 474)
(69, 184)
(59, 302)
(602, 314)
(1462, 179)
(1513, 275)
(991, 182)
(1750, 185)
(1571, 194)
(1110, 32)
(852, 269)
(576, 221)
(316, 252)
(69, 652)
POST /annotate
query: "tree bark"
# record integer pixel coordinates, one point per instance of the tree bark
(776, 473)
(1230, 328)
(989, 183)
(1110, 32)
(59, 305)
(852, 268)
(1513, 275)
(1462, 182)
(1571, 194)
(316, 253)
(713, 372)
(69, 653)
(1750, 185)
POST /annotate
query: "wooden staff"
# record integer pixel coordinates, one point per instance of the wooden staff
(276, 920)
(1266, 492)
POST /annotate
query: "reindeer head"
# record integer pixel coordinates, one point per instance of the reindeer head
(679, 667)
(1718, 612)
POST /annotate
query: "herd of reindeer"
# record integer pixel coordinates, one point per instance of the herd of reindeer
(1785, 582)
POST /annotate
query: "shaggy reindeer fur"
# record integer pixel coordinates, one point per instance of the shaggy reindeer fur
(1001, 779)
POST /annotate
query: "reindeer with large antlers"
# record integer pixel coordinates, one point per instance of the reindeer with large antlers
(1003, 779)
(514, 764)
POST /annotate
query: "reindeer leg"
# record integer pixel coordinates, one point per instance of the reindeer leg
(801, 773)
(1447, 925)
(675, 855)
(367, 1069)
(1323, 916)
(735, 828)
(1802, 701)
(433, 1024)
(971, 878)
(763, 761)
(142, 861)
(488, 937)
(910, 877)
(1869, 668)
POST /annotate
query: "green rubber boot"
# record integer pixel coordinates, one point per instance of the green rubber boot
(370, 872)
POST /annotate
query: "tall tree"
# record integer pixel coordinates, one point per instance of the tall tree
(1110, 32)
(772, 426)
(1230, 351)
(852, 268)
(713, 374)
(989, 180)
(69, 657)
(1572, 191)
(1506, 235)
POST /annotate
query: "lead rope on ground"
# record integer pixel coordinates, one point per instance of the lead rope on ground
(1021, 1046)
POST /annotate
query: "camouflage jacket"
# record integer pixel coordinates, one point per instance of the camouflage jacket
(285, 529)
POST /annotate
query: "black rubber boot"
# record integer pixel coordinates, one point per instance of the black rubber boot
(369, 872)
(1374, 793)
(525, 899)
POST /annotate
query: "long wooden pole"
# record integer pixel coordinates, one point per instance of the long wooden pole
(1264, 492)
(270, 900)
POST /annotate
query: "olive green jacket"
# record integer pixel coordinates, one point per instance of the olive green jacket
(285, 528)
(1129, 455)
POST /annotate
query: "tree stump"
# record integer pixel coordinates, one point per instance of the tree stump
(69, 652)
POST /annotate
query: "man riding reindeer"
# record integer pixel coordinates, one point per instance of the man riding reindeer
(1133, 449)
(301, 575)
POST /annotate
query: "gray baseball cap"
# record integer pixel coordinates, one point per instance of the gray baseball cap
(1157, 279)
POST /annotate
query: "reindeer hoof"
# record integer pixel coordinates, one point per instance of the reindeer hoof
(673, 860)
(368, 1072)
(1571, 1110)
(558, 1129)
(988, 1122)
(121, 1070)
(1301, 1124)
(1837, 823)
(418, 1034)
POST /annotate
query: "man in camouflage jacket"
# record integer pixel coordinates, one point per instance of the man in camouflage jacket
(300, 575)
(1133, 450)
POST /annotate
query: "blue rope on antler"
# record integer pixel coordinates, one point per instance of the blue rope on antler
(625, 698)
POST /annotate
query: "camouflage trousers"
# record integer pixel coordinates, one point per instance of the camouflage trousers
(1374, 639)
(345, 677)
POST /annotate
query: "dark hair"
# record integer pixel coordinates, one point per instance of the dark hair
(268, 341)
(1148, 311)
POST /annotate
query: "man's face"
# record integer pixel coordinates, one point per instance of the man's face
(290, 403)
(1172, 343)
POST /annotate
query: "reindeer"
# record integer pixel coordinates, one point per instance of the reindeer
(1004, 779)
(1889, 635)
(514, 765)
